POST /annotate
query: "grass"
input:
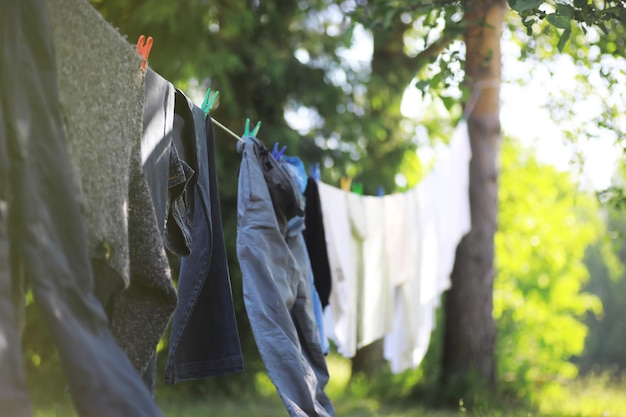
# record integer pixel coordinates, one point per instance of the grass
(593, 396)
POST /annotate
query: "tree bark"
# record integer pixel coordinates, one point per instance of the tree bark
(369, 361)
(469, 334)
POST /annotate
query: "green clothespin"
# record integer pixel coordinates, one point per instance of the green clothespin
(254, 132)
(208, 101)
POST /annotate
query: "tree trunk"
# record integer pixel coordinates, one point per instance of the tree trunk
(369, 361)
(469, 335)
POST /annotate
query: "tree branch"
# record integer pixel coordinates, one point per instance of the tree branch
(413, 65)
(433, 50)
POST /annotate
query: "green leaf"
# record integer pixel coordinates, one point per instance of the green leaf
(523, 5)
(434, 82)
(563, 39)
(422, 84)
(580, 3)
(529, 28)
(565, 10)
(447, 101)
(559, 21)
(603, 27)
(347, 37)
(388, 18)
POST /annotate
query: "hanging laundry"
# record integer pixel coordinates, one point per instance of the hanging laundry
(443, 218)
(391, 258)
(105, 133)
(146, 306)
(404, 251)
(204, 340)
(340, 317)
(181, 181)
(400, 228)
(156, 141)
(41, 224)
(315, 238)
(454, 220)
(276, 281)
(183, 178)
(360, 302)
(406, 346)
(375, 313)
(101, 91)
(298, 173)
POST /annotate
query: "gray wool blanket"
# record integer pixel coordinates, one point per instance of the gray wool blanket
(102, 97)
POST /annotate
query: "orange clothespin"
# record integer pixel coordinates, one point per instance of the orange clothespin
(346, 182)
(143, 48)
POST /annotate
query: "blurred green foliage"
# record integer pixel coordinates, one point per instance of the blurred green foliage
(606, 260)
(545, 226)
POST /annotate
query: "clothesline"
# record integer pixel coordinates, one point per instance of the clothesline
(478, 87)
(227, 130)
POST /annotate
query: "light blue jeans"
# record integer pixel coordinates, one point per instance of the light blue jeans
(276, 286)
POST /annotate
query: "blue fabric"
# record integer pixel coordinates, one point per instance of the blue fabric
(167, 173)
(317, 309)
(179, 223)
(296, 167)
(276, 281)
(204, 340)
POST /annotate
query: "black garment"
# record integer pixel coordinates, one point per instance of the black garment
(204, 340)
(156, 142)
(44, 234)
(182, 177)
(168, 175)
(315, 239)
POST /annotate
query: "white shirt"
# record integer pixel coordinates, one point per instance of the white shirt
(341, 313)
(441, 203)
(375, 307)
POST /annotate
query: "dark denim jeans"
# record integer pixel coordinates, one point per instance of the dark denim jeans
(276, 286)
(156, 142)
(179, 223)
(168, 175)
(44, 235)
(204, 340)
(148, 303)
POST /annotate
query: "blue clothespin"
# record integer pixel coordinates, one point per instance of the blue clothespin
(208, 101)
(254, 132)
(315, 171)
(278, 153)
(380, 191)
